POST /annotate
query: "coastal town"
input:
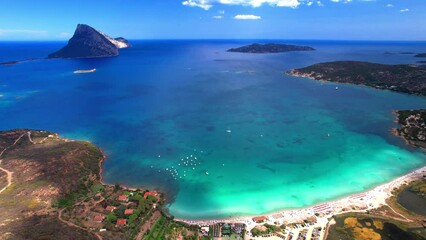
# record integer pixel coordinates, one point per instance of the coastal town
(89, 206)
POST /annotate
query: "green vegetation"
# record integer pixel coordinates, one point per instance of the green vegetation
(97, 188)
(265, 229)
(358, 226)
(413, 126)
(270, 48)
(406, 78)
(419, 187)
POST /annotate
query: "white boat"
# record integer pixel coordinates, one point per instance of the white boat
(207, 173)
(85, 71)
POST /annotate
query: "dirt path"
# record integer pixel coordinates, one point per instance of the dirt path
(75, 226)
(9, 178)
(147, 225)
(9, 173)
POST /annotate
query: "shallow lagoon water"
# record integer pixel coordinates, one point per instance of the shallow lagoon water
(268, 141)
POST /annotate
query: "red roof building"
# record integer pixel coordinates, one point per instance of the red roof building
(121, 221)
(122, 198)
(260, 219)
(110, 208)
(128, 211)
(150, 194)
(98, 218)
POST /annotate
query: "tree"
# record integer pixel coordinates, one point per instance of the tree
(111, 217)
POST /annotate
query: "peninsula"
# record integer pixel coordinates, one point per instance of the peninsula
(88, 42)
(403, 78)
(413, 127)
(270, 48)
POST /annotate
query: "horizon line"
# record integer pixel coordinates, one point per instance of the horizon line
(225, 39)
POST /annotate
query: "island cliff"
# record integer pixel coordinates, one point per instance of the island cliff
(87, 42)
(270, 48)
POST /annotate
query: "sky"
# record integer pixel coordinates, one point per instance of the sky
(216, 19)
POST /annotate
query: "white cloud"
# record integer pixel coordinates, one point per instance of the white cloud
(343, 1)
(218, 17)
(404, 10)
(207, 4)
(204, 4)
(247, 17)
(389, 5)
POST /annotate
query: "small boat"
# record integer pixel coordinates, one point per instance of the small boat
(85, 71)
(337, 88)
(207, 173)
(228, 131)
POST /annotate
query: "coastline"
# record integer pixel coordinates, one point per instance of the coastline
(372, 198)
(297, 73)
(369, 199)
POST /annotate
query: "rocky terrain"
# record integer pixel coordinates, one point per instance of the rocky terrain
(88, 42)
(270, 48)
(413, 126)
(50, 188)
(404, 78)
(45, 170)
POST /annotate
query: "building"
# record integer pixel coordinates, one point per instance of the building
(122, 198)
(150, 194)
(128, 211)
(98, 218)
(121, 222)
(205, 230)
(110, 208)
(260, 219)
(226, 230)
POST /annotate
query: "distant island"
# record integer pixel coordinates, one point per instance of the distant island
(404, 78)
(420, 55)
(270, 48)
(88, 42)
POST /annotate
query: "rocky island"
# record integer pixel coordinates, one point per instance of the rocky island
(270, 48)
(88, 42)
(403, 78)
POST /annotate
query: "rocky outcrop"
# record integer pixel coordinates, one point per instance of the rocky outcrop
(87, 42)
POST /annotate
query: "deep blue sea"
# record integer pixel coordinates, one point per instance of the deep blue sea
(223, 134)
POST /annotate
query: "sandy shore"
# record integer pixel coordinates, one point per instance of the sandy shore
(368, 200)
(371, 199)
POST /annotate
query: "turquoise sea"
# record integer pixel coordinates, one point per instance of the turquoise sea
(223, 134)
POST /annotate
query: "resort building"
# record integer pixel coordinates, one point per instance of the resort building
(128, 211)
(260, 219)
(150, 194)
(121, 222)
(110, 208)
(98, 218)
(122, 198)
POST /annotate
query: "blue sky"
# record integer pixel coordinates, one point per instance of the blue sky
(217, 19)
